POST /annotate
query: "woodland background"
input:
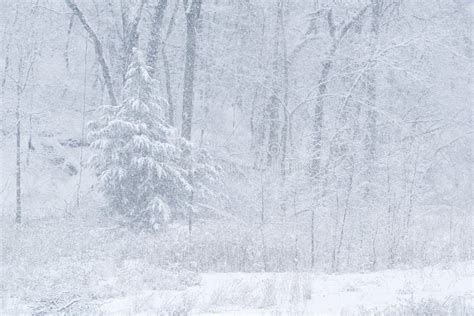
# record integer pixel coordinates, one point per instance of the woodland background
(339, 133)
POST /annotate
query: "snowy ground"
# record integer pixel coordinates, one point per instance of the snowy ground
(293, 293)
(242, 293)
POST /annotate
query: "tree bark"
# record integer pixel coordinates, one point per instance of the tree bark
(155, 37)
(192, 11)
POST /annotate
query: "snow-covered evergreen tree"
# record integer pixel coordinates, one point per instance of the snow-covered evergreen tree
(136, 156)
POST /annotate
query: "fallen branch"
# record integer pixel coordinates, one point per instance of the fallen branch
(68, 305)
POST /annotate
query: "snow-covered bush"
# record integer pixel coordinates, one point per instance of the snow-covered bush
(137, 157)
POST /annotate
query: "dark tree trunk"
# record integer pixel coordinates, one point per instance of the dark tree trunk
(130, 37)
(155, 37)
(371, 81)
(273, 108)
(166, 66)
(319, 118)
(192, 11)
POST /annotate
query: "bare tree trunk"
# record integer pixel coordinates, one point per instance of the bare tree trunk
(371, 124)
(30, 140)
(284, 145)
(98, 49)
(345, 214)
(192, 11)
(190, 210)
(373, 264)
(273, 107)
(66, 50)
(166, 66)
(317, 143)
(169, 93)
(18, 155)
(20, 88)
(5, 71)
(286, 116)
(155, 36)
(262, 222)
(83, 128)
(130, 36)
(319, 119)
(274, 126)
(313, 239)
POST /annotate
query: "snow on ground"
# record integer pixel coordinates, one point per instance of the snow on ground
(83, 265)
(303, 293)
(333, 294)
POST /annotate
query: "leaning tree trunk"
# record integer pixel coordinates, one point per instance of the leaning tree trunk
(98, 49)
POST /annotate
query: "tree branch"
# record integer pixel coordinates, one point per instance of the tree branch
(98, 49)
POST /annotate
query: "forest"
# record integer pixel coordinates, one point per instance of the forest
(191, 157)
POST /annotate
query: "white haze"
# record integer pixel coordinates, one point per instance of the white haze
(190, 157)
